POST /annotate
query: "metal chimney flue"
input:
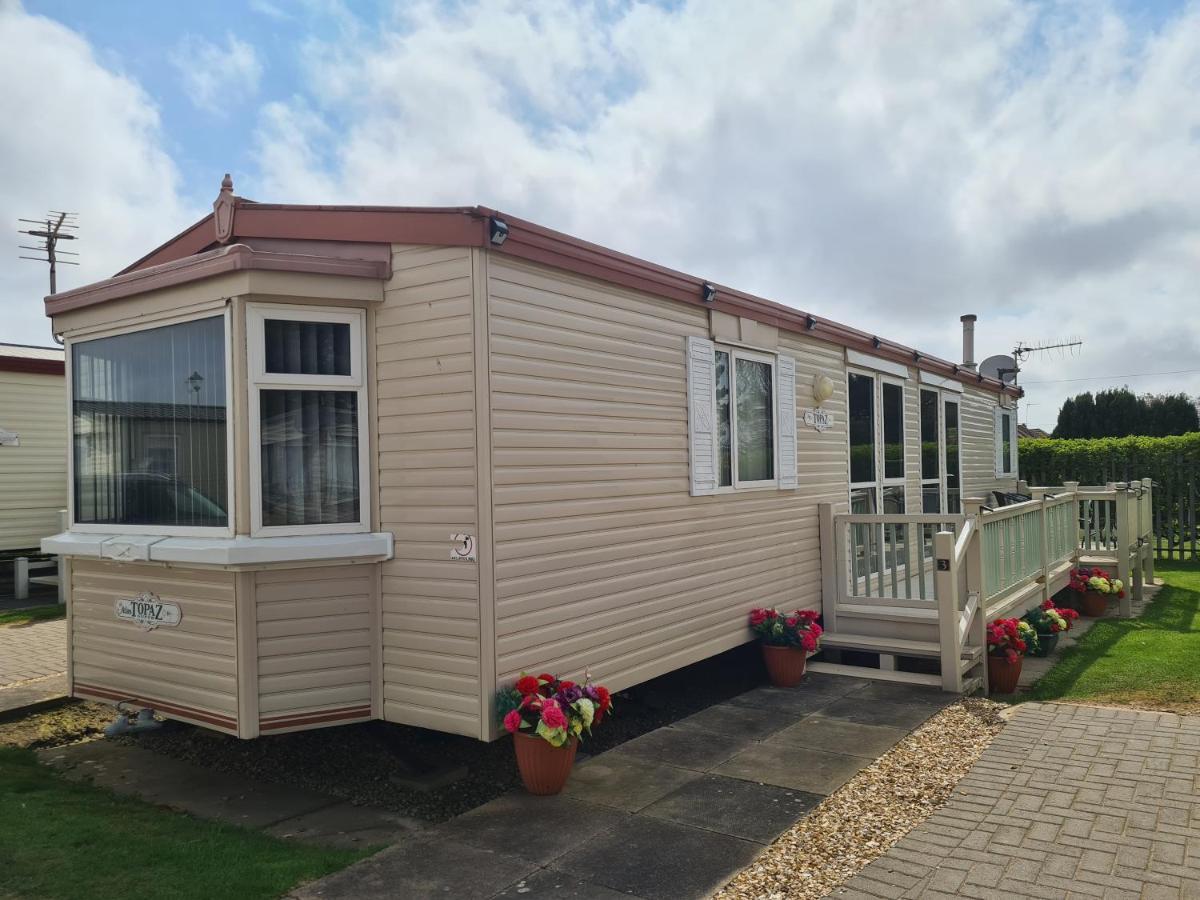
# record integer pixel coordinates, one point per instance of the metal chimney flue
(968, 324)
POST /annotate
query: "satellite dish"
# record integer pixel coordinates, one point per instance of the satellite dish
(1001, 367)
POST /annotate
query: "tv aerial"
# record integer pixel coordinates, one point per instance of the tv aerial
(1006, 368)
(57, 226)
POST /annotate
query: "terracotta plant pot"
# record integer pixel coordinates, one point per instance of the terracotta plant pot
(785, 665)
(1046, 643)
(1003, 675)
(544, 767)
(1094, 604)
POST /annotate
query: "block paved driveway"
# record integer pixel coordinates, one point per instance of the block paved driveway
(1068, 801)
(32, 651)
(671, 814)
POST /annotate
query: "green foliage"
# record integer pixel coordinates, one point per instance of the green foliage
(1118, 412)
(1148, 662)
(1173, 463)
(32, 614)
(61, 839)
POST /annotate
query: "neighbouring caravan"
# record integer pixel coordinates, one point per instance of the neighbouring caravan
(33, 445)
(332, 464)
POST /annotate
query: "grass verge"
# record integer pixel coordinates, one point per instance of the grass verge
(32, 614)
(1149, 662)
(61, 839)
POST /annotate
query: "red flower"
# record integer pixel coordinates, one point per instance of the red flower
(757, 617)
(808, 641)
(527, 684)
(772, 614)
(791, 621)
(605, 698)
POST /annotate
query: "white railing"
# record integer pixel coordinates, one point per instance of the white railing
(985, 563)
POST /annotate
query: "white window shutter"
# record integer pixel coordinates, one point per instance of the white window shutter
(702, 415)
(785, 392)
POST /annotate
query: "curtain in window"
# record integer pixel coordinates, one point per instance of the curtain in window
(307, 348)
(148, 426)
(309, 457)
(755, 421)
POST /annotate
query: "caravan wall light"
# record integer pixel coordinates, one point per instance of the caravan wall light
(708, 293)
(497, 231)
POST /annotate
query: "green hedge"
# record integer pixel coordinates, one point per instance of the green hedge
(1173, 463)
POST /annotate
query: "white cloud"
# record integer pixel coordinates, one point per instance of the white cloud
(79, 137)
(216, 77)
(890, 165)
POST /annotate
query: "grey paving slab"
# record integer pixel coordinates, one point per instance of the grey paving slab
(815, 691)
(1034, 817)
(16, 698)
(789, 766)
(181, 785)
(839, 736)
(879, 712)
(624, 782)
(32, 651)
(558, 885)
(660, 860)
(345, 825)
(504, 824)
(744, 809)
(423, 867)
(738, 721)
(688, 748)
(898, 692)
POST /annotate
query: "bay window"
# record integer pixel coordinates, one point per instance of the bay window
(149, 430)
(308, 420)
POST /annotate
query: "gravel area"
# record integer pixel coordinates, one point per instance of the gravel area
(356, 762)
(873, 810)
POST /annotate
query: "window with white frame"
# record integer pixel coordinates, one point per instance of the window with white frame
(1006, 443)
(940, 476)
(149, 430)
(742, 418)
(877, 452)
(308, 420)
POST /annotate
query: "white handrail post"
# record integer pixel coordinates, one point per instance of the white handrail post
(1040, 494)
(973, 508)
(945, 582)
(1148, 531)
(1124, 545)
(831, 560)
(1072, 487)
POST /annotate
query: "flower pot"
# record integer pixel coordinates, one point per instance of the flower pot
(1003, 675)
(544, 768)
(1094, 603)
(1046, 643)
(785, 665)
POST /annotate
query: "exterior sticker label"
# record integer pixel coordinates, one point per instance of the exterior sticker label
(148, 611)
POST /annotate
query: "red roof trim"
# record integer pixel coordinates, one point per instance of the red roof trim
(32, 366)
(236, 257)
(467, 227)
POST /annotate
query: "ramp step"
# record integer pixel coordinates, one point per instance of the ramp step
(897, 646)
(877, 674)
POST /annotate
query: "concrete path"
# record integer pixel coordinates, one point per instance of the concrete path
(1068, 801)
(279, 810)
(32, 651)
(671, 814)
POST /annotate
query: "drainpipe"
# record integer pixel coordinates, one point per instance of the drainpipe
(968, 324)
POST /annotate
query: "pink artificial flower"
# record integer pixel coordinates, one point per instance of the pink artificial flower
(512, 721)
(553, 716)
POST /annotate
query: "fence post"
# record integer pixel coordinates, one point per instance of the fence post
(831, 559)
(1151, 544)
(945, 583)
(21, 578)
(63, 524)
(1124, 544)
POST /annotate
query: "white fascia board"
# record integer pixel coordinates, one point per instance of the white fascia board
(242, 551)
(946, 384)
(867, 361)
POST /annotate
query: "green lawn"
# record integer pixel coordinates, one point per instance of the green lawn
(1151, 662)
(60, 839)
(32, 614)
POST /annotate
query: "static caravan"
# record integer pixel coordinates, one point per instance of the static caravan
(332, 464)
(33, 445)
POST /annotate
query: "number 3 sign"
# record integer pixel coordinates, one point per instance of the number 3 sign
(463, 547)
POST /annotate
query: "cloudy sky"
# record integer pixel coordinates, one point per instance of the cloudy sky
(889, 164)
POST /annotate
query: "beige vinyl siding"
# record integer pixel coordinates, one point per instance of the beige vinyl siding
(603, 560)
(979, 446)
(314, 644)
(188, 672)
(427, 490)
(33, 476)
